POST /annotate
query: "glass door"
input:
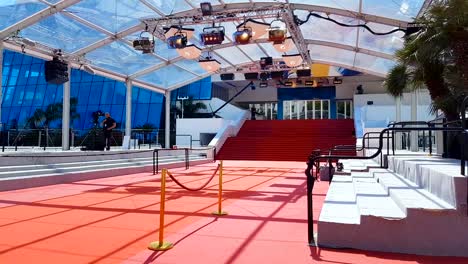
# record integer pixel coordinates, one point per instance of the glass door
(306, 109)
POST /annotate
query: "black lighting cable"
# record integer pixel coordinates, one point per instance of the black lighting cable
(299, 22)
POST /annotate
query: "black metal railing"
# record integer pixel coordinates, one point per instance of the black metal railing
(314, 159)
(156, 158)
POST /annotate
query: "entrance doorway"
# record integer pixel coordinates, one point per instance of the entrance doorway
(306, 109)
(265, 111)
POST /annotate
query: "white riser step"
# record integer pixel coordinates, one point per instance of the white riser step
(108, 166)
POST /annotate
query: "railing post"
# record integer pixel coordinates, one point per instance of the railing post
(393, 142)
(220, 191)
(424, 141)
(160, 245)
(430, 140)
(39, 139)
(310, 211)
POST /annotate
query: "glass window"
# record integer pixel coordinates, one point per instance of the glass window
(144, 96)
(119, 93)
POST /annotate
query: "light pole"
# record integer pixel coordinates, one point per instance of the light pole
(182, 103)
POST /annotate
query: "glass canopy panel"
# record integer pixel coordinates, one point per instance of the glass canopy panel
(170, 6)
(253, 51)
(405, 10)
(112, 15)
(13, 11)
(196, 3)
(382, 43)
(224, 64)
(61, 32)
(167, 76)
(330, 54)
(321, 29)
(233, 55)
(352, 5)
(271, 51)
(192, 66)
(373, 63)
(53, 1)
(121, 58)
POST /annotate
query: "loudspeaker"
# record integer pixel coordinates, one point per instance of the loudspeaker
(227, 76)
(56, 72)
(277, 75)
(251, 76)
(266, 61)
(303, 73)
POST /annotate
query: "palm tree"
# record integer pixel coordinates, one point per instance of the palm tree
(43, 118)
(436, 57)
(191, 108)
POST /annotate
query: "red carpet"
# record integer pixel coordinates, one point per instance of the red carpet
(286, 140)
(112, 221)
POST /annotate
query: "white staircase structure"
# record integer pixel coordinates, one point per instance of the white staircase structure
(418, 206)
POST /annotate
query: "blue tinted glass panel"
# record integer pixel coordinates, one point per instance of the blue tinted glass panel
(144, 96)
(141, 116)
(119, 93)
(157, 98)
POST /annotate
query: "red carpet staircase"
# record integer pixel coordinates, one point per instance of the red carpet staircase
(286, 140)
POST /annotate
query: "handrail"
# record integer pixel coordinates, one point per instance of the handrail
(186, 135)
(156, 158)
(312, 161)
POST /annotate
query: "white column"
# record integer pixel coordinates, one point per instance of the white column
(128, 108)
(1, 79)
(414, 117)
(167, 120)
(66, 112)
(398, 119)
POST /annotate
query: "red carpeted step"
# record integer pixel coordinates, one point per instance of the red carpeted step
(288, 140)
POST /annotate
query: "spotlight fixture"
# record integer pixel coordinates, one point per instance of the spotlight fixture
(303, 73)
(277, 31)
(144, 44)
(263, 85)
(258, 29)
(292, 60)
(242, 35)
(264, 76)
(190, 52)
(337, 80)
(309, 83)
(286, 46)
(252, 86)
(206, 8)
(288, 83)
(265, 61)
(212, 35)
(178, 41)
(209, 64)
(173, 30)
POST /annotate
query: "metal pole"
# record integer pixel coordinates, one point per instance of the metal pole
(66, 112)
(220, 191)
(128, 109)
(397, 119)
(160, 245)
(167, 120)
(1, 84)
(414, 117)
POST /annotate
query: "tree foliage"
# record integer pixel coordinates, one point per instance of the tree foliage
(436, 57)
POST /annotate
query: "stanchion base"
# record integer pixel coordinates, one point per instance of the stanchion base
(219, 213)
(156, 246)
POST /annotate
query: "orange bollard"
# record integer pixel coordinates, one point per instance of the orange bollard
(220, 191)
(161, 245)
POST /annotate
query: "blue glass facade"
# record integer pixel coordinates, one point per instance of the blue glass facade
(25, 90)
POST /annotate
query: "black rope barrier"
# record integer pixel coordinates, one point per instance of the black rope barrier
(194, 189)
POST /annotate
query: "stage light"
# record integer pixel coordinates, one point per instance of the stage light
(206, 8)
(258, 29)
(292, 60)
(144, 44)
(303, 73)
(309, 82)
(264, 76)
(178, 41)
(209, 64)
(288, 83)
(286, 46)
(337, 80)
(263, 84)
(277, 31)
(212, 36)
(190, 52)
(265, 61)
(173, 30)
(242, 36)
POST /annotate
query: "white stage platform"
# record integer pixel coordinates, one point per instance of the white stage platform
(418, 206)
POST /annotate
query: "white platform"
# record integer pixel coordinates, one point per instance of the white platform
(418, 206)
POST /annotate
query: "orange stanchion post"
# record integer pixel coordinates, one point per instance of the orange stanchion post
(220, 191)
(161, 245)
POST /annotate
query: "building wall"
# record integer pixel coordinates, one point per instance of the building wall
(25, 90)
(287, 94)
